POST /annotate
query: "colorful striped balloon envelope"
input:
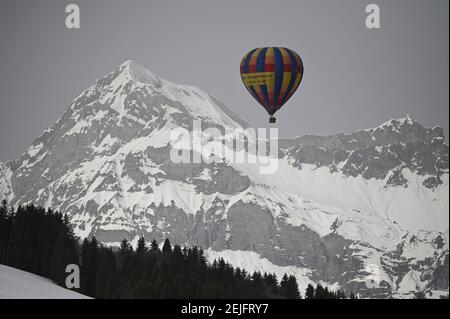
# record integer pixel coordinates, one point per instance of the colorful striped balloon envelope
(272, 75)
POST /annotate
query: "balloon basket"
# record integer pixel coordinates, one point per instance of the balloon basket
(272, 120)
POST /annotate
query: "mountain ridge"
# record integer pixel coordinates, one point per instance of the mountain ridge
(337, 204)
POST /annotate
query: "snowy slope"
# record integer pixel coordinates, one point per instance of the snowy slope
(18, 284)
(336, 205)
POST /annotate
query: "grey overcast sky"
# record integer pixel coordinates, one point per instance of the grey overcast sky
(354, 77)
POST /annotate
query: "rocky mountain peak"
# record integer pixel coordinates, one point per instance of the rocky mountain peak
(405, 120)
(106, 164)
(132, 70)
(404, 130)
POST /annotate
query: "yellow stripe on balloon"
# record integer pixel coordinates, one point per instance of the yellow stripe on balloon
(286, 80)
(286, 75)
(254, 57)
(253, 60)
(296, 84)
(270, 58)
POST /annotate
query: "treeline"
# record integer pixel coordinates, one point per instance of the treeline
(42, 242)
(37, 240)
(171, 272)
(321, 292)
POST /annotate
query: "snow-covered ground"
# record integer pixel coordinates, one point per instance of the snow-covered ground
(18, 284)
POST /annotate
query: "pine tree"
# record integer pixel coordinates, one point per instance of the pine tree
(326, 293)
(258, 284)
(5, 228)
(420, 295)
(167, 248)
(320, 292)
(340, 295)
(283, 284)
(270, 281)
(64, 253)
(125, 246)
(310, 293)
(293, 292)
(23, 237)
(154, 246)
(107, 274)
(47, 235)
(89, 267)
(141, 246)
(177, 258)
(289, 287)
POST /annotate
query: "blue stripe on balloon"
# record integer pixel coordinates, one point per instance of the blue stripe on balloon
(278, 68)
(256, 95)
(260, 60)
(264, 91)
(261, 67)
(293, 76)
(247, 60)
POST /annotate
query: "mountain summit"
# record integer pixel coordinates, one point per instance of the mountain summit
(138, 73)
(339, 208)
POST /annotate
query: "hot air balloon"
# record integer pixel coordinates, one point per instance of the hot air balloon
(271, 75)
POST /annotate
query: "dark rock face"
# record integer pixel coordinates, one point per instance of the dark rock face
(106, 164)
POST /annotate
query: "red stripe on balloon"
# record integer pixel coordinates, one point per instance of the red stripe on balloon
(269, 67)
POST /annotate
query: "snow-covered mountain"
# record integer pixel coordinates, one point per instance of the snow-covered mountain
(342, 210)
(18, 284)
